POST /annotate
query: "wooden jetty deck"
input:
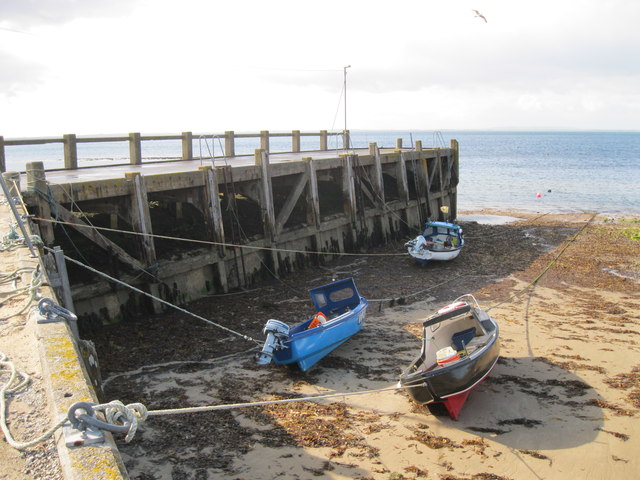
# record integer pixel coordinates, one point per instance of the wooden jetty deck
(195, 226)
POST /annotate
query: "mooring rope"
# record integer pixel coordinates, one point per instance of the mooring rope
(158, 299)
(547, 267)
(222, 244)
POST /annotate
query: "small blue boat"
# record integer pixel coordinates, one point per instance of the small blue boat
(439, 241)
(340, 314)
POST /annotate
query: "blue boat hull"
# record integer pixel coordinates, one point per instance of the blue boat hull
(307, 347)
(340, 314)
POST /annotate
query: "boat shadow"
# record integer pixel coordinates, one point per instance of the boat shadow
(530, 404)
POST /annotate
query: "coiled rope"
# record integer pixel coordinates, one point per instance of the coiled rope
(18, 381)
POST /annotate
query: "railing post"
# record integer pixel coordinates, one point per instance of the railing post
(323, 140)
(345, 139)
(264, 140)
(398, 144)
(187, 145)
(135, 149)
(295, 141)
(70, 151)
(3, 162)
(229, 144)
(418, 146)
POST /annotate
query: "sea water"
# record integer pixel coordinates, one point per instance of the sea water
(530, 171)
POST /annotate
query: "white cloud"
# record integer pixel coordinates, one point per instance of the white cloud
(102, 67)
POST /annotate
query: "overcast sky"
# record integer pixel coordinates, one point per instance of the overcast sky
(159, 66)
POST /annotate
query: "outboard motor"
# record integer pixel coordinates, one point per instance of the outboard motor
(277, 333)
(416, 244)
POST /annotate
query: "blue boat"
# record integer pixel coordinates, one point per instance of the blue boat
(340, 314)
(439, 241)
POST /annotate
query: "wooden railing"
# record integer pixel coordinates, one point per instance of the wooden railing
(70, 143)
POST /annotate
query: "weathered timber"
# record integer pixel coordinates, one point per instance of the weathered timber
(238, 220)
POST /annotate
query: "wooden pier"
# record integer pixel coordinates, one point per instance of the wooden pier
(196, 226)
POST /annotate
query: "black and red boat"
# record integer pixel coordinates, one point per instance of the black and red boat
(460, 347)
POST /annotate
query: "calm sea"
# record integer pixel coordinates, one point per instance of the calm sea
(531, 171)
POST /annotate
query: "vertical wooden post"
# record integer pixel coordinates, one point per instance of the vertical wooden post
(295, 141)
(346, 140)
(313, 204)
(266, 200)
(214, 221)
(401, 178)
(323, 140)
(113, 221)
(455, 176)
(398, 144)
(70, 151)
(349, 196)
(37, 182)
(379, 186)
(141, 217)
(3, 161)
(229, 144)
(187, 145)
(264, 140)
(425, 181)
(418, 146)
(313, 198)
(135, 149)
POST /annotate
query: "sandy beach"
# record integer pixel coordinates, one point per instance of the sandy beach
(562, 402)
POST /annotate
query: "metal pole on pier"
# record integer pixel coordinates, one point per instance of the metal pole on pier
(16, 214)
(345, 141)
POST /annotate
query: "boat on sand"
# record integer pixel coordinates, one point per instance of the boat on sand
(439, 241)
(340, 314)
(460, 347)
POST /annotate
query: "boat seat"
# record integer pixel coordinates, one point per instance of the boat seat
(477, 342)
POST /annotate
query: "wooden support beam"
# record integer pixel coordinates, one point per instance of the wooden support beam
(141, 217)
(266, 201)
(290, 203)
(348, 188)
(37, 182)
(424, 179)
(313, 198)
(95, 236)
(401, 178)
(377, 165)
(455, 177)
(379, 187)
(213, 215)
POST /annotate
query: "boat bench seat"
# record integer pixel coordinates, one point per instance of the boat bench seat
(480, 341)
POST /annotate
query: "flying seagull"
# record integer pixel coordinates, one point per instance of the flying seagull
(479, 15)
